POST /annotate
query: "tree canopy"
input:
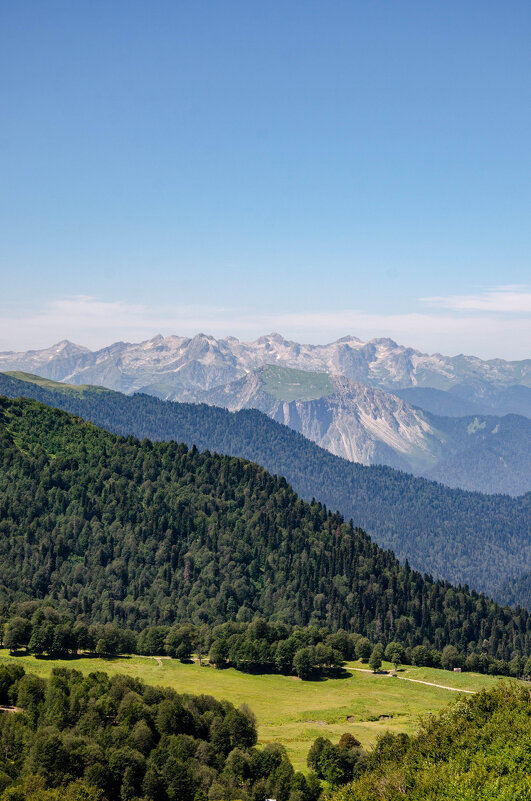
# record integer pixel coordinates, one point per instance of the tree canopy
(478, 749)
(96, 738)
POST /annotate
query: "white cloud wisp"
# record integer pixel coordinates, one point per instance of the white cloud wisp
(511, 299)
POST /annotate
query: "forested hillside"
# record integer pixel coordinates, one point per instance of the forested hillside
(481, 540)
(152, 533)
(518, 591)
(491, 453)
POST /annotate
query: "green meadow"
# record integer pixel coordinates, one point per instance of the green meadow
(291, 711)
(57, 386)
(288, 384)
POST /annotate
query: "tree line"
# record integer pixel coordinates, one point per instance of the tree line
(260, 646)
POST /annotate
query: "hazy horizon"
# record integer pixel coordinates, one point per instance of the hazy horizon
(243, 340)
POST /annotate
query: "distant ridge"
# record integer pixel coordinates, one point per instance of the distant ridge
(170, 367)
(373, 426)
(480, 540)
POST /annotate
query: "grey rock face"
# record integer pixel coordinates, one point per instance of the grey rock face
(355, 421)
(371, 426)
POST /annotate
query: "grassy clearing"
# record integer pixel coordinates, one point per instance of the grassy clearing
(460, 681)
(287, 384)
(47, 383)
(288, 710)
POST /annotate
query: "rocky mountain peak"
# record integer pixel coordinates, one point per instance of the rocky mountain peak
(202, 362)
(348, 340)
(67, 345)
(273, 337)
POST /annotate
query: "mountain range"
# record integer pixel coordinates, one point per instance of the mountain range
(372, 402)
(170, 366)
(466, 537)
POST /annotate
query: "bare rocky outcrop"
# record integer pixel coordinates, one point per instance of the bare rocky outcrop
(352, 420)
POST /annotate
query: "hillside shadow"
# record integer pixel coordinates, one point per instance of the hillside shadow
(76, 657)
(338, 673)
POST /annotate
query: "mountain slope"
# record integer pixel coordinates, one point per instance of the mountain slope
(492, 454)
(438, 401)
(371, 426)
(517, 591)
(476, 539)
(142, 532)
(463, 400)
(352, 420)
(170, 366)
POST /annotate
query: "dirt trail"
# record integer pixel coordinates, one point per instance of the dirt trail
(158, 659)
(441, 686)
(418, 681)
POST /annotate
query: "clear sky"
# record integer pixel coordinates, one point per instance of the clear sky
(315, 168)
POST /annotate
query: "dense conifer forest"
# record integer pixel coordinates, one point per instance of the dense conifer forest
(466, 537)
(141, 533)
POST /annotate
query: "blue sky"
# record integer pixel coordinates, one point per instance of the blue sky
(240, 167)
